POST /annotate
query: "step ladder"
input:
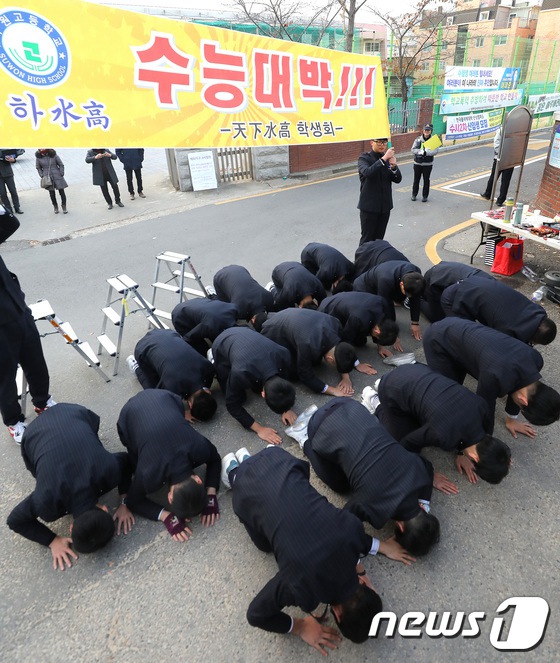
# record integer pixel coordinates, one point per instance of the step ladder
(42, 310)
(180, 270)
(123, 289)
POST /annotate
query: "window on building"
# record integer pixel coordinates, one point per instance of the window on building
(510, 19)
(372, 46)
(484, 16)
(444, 45)
(500, 40)
(476, 63)
(498, 62)
(479, 42)
(449, 20)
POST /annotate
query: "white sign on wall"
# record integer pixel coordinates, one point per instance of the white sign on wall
(203, 171)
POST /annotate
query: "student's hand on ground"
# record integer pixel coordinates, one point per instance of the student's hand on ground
(345, 385)
(383, 351)
(125, 519)
(398, 346)
(318, 636)
(176, 526)
(289, 417)
(445, 485)
(514, 426)
(335, 391)
(211, 512)
(61, 552)
(466, 465)
(189, 417)
(393, 550)
(269, 435)
(366, 368)
(416, 332)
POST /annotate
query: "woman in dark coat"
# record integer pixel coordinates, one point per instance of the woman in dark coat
(104, 173)
(48, 162)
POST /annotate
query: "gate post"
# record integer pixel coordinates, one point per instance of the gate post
(271, 162)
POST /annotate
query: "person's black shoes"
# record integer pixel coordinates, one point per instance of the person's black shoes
(413, 198)
(483, 195)
(19, 210)
(119, 203)
(425, 199)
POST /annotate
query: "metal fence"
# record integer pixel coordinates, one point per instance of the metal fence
(403, 117)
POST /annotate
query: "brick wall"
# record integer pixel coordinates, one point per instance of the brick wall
(548, 198)
(315, 157)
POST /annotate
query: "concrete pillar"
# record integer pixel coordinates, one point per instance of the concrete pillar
(548, 198)
(270, 162)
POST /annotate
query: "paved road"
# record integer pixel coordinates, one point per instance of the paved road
(145, 598)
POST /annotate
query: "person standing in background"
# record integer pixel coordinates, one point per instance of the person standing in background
(104, 173)
(506, 173)
(7, 158)
(423, 163)
(132, 159)
(49, 163)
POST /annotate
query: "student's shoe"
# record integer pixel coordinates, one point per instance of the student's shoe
(425, 199)
(19, 210)
(132, 364)
(132, 196)
(110, 206)
(119, 203)
(370, 399)
(210, 290)
(242, 454)
(141, 194)
(229, 463)
(406, 303)
(64, 210)
(376, 384)
(399, 360)
(483, 195)
(50, 403)
(413, 198)
(17, 431)
(269, 286)
(210, 355)
(298, 430)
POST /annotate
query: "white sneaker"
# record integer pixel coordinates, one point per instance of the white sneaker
(210, 355)
(242, 454)
(400, 360)
(210, 290)
(50, 403)
(229, 463)
(370, 399)
(132, 364)
(269, 286)
(17, 431)
(376, 384)
(298, 430)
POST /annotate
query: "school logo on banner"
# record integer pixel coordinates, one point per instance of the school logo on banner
(32, 49)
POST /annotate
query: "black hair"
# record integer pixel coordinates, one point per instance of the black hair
(259, 320)
(312, 305)
(344, 285)
(544, 405)
(414, 283)
(493, 459)
(345, 357)
(279, 394)
(92, 530)
(388, 332)
(546, 332)
(420, 533)
(203, 406)
(189, 498)
(358, 612)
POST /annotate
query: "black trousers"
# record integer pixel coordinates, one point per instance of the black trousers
(146, 375)
(20, 343)
(374, 225)
(105, 192)
(8, 183)
(52, 194)
(421, 172)
(329, 472)
(504, 185)
(130, 183)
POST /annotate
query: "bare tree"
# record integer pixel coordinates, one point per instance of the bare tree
(349, 10)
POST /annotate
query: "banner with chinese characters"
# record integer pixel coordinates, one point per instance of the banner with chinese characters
(74, 74)
(477, 79)
(466, 102)
(475, 124)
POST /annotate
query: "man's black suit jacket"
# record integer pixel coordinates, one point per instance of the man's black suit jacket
(370, 254)
(386, 480)
(326, 263)
(316, 545)
(163, 447)
(308, 335)
(202, 318)
(293, 282)
(62, 451)
(376, 179)
(358, 312)
(234, 284)
(12, 299)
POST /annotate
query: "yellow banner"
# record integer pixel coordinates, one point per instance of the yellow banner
(74, 74)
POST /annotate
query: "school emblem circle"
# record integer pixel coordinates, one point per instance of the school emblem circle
(33, 50)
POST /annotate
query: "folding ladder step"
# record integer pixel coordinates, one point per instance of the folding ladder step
(154, 323)
(87, 349)
(162, 314)
(188, 275)
(170, 256)
(113, 316)
(67, 329)
(150, 305)
(127, 281)
(166, 286)
(108, 344)
(192, 291)
(41, 309)
(116, 284)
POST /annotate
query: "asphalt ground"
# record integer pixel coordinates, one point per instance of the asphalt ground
(146, 598)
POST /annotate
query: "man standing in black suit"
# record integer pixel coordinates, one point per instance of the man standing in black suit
(351, 452)
(441, 276)
(317, 548)
(165, 449)
(201, 319)
(235, 285)
(499, 306)
(20, 343)
(162, 360)
(377, 170)
(362, 314)
(329, 265)
(245, 360)
(396, 280)
(370, 254)
(311, 336)
(62, 451)
(503, 366)
(421, 408)
(294, 285)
